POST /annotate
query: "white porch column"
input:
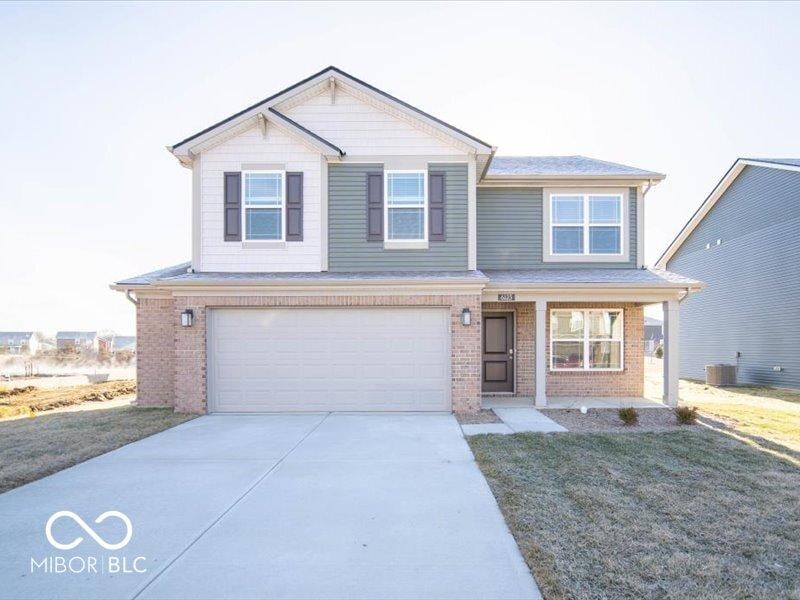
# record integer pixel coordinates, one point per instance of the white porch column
(671, 345)
(541, 353)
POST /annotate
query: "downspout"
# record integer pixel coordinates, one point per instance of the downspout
(130, 298)
(647, 189)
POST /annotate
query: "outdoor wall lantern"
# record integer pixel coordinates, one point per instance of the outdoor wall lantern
(466, 317)
(187, 318)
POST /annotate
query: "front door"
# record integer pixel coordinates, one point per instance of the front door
(498, 352)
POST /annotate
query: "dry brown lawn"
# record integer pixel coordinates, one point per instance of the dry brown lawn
(34, 447)
(30, 400)
(692, 513)
(765, 416)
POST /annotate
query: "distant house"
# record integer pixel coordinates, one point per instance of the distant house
(81, 341)
(19, 342)
(105, 342)
(653, 334)
(744, 242)
(124, 343)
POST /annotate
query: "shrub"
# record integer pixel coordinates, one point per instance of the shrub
(686, 415)
(629, 415)
(659, 352)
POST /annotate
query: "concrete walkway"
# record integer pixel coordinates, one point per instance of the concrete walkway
(272, 506)
(516, 419)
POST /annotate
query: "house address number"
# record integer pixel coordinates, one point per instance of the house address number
(505, 297)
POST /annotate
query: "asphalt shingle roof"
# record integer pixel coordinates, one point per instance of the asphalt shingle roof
(561, 166)
(636, 277)
(792, 162)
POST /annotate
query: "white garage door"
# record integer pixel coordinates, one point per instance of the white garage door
(312, 359)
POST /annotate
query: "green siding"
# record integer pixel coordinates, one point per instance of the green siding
(348, 248)
(510, 231)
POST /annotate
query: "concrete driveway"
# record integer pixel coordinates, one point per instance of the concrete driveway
(270, 506)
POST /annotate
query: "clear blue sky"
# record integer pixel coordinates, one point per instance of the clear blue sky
(92, 93)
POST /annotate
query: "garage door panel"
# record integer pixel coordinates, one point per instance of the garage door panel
(310, 359)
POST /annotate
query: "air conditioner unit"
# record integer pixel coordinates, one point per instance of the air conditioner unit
(721, 374)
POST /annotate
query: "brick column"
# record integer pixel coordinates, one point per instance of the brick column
(466, 355)
(190, 358)
(155, 351)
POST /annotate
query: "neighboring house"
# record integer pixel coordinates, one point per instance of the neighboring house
(351, 252)
(20, 342)
(124, 343)
(744, 242)
(653, 334)
(105, 342)
(83, 341)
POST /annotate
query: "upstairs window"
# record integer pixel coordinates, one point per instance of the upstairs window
(264, 204)
(586, 224)
(406, 205)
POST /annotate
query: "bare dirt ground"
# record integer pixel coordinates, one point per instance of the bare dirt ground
(484, 416)
(30, 400)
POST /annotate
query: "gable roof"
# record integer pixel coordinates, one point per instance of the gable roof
(787, 164)
(564, 166)
(15, 337)
(181, 148)
(76, 335)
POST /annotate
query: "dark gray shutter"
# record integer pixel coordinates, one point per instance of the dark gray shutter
(436, 207)
(233, 207)
(374, 207)
(294, 207)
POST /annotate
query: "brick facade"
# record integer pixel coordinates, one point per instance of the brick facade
(171, 360)
(176, 361)
(626, 383)
(155, 351)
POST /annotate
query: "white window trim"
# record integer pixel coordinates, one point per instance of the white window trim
(547, 225)
(587, 340)
(248, 243)
(408, 244)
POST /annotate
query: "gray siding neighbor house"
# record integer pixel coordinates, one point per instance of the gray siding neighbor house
(744, 243)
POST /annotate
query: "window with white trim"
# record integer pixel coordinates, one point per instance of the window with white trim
(406, 206)
(586, 340)
(264, 198)
(586, 224)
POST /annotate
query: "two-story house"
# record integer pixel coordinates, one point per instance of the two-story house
(352, 252)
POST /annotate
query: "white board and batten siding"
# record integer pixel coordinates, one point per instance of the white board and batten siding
(329, 359)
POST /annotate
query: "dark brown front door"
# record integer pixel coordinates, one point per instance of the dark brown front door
(498, 352)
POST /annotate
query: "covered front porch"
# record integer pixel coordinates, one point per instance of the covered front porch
(590, 352)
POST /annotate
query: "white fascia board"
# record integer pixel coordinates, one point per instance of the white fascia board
(182, 151)
(643, 296)
(571, 180)
(593, 287)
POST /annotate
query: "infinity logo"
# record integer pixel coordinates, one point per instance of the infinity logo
(68, 513)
